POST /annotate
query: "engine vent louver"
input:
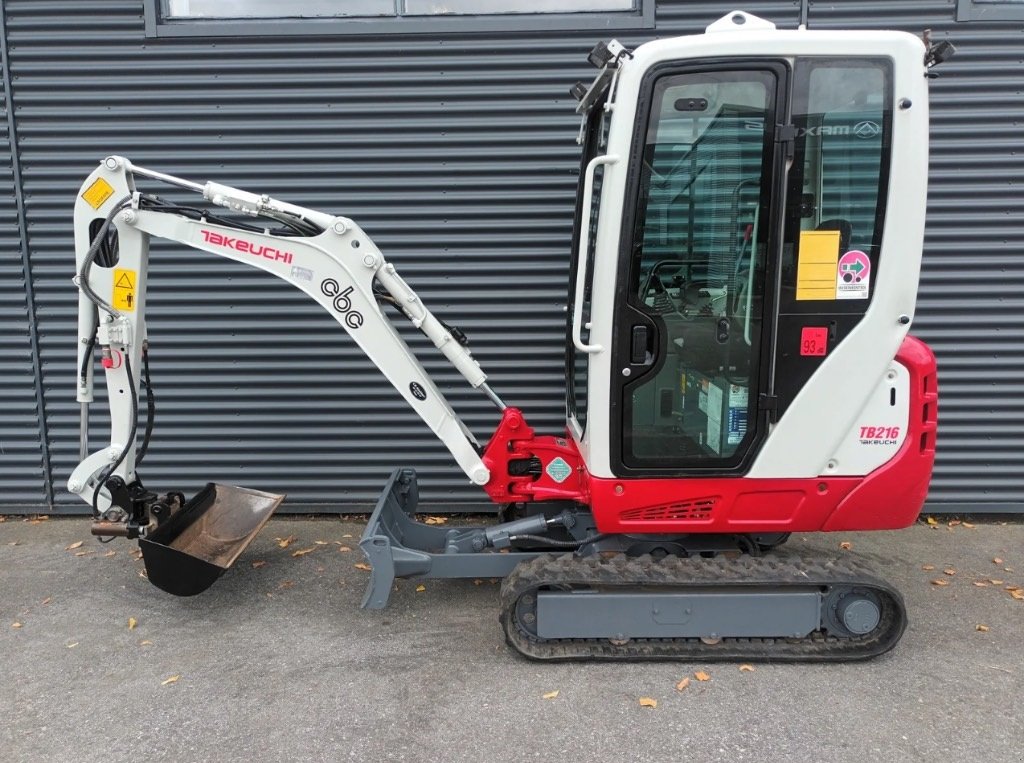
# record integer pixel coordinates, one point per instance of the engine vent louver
(696, 509)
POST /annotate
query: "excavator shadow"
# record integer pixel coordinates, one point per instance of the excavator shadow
(186, 554)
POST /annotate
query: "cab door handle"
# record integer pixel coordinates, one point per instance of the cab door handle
(639, 353)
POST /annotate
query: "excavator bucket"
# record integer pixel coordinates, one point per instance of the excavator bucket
(187, 553)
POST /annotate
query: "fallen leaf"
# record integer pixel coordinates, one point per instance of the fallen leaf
(981, 628)
(435, 520)
(846, 545)
(137, 553)
(980, 583)
(320, 542)
(928, 567)
(478, 581)
(171, 680)
(549, 694)
(72, 646)
(997, 560)
(746, 668)
(343, 549)
(1012, 588)
(421, 588)
(346, 535)
(286, 584)
(940, 582)
(73, 546)
(949, 571)
(16, 625)
(285, 542)
(648, 702)
(993, 581)
(953, 522)
(362, 566)
(132, 622)
(258, 563)
(146, 642)
(683, 683)
(47, 600)
(142, 574)
(14, 543)
(304, 551)
(1007, 569)
(700, 675)
(968, 525)
(109, 554)
(84, 553)
(932, 521)
(1018, 594)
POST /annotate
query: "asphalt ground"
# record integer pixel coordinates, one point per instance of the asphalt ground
(277, 663)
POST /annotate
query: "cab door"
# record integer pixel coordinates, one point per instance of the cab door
(691, 376)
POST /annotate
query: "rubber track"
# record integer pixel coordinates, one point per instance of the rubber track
(773, 572)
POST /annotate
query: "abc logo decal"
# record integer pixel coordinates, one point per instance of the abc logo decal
(342, 303)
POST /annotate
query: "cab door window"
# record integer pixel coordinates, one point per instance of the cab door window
(697, 289)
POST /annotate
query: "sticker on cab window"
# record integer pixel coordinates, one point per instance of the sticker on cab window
(853, 280)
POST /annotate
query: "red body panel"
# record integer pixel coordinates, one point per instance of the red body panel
(890, 497)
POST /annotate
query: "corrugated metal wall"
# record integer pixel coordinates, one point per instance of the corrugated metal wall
(457, 155)
(22, 471)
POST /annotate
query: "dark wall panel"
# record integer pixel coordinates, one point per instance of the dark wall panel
(22, 475)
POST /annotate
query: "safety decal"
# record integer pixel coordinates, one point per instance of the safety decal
(558, 470)
(816, 265)
(98, 193)
(125, 282)
(853, 279)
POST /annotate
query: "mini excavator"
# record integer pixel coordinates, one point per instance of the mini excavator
(744, 268)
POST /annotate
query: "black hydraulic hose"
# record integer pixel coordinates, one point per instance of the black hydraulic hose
(558, 544)
(90, 256)
(128, 444)
(83, 372)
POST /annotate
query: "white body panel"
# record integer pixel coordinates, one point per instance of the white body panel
(853, 369)
(879, 428)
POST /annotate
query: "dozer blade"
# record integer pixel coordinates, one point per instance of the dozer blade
(186, 554)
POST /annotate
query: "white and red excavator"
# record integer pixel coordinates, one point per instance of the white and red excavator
(744, 270)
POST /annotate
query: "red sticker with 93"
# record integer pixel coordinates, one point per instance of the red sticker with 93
(813, 340)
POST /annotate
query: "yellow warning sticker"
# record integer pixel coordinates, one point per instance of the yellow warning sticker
(817, 264)
(125, 282)
(97, 193)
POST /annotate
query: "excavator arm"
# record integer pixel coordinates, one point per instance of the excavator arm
(329, 258)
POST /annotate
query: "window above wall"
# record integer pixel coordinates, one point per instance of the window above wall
(990, 10)
(213, 18)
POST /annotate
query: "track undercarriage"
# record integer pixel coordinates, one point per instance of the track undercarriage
(572, 594)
